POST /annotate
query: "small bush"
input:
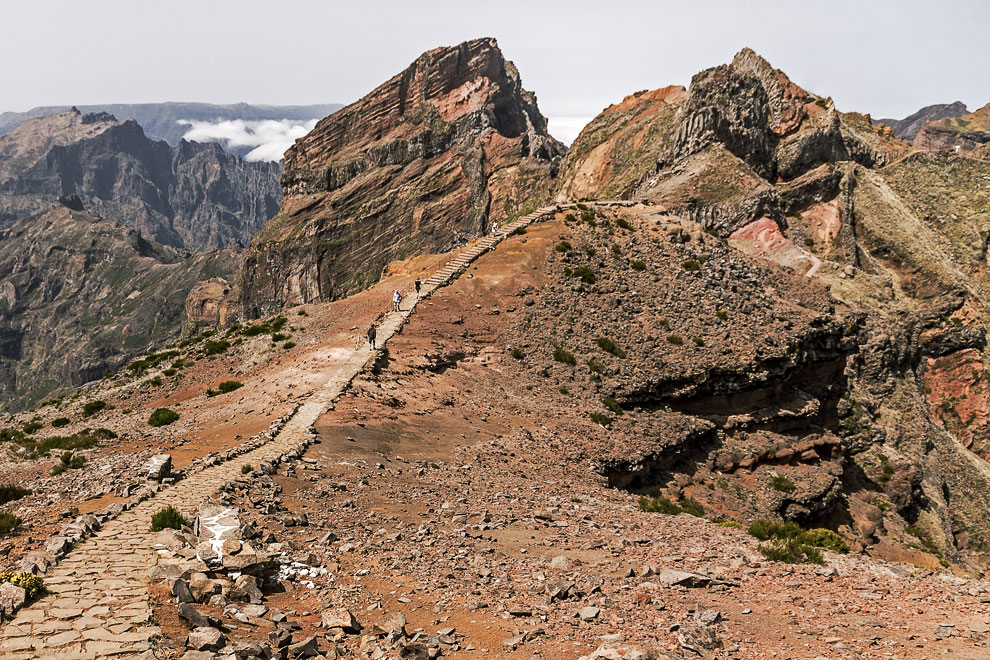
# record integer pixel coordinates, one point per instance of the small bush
(692, 507)
(594, 366)
(278, 323)
(636, 264)
(731, 524)
(783, 484)
(792, 551)
(610, 403)
(563, 390)
(590, 251)
(10, 492)
(278, 336)
(225, 387)
(8, 521)
(675, 340)
(880, 503)
(215, 346)
(570, 217)
(722, 315)
(31, 427)
(519, 231)
(600, 419)
(90, 408)
(33, 585)
(589, 217)
(247, 468)
(162, 417)
(691, 265)
(886, 469)
(698, 341)
(168, 517)
(616, 251)
(562, 355)
(584, 273)
(825, 538)
(170, 372)
(289, 345)
(302, 312)
(68, 461)
(156, 381)
(257, 329)
(659, 504)
(609, 346)
(562, 247)
(765, 529)
(623, 223)
(517, 353)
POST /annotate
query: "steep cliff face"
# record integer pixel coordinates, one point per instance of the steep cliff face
(962, 133)
(909, 127)
(428, 160)
(81, 295)
(192, 196)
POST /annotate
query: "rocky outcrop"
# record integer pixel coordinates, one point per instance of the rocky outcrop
(909, 127)
(427, 161)
(960, 133)
(192, 196)
(81, 295)
(211, 302)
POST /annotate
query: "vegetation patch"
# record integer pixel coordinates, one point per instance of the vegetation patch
(247, 468)
(225, 387)
(517, 353)
(675, 340)
(600, 419)
(519, 231)
(623, 223)
(789, 542)
(636, 264)
(783, 484)
(168, 518)
(609, 346)
(661, 504)
(611, 403)
(33, 585)
(154, 359)
(162, 417)
(8, 521)
(691, 265)
(562, 247)
(90, 408)
(68, 461)
(215, 346)
(583, 273)
(31, 427)
(562, 355)
(288, 345)
(11, 492)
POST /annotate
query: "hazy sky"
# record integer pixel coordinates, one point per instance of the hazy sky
(886, 58)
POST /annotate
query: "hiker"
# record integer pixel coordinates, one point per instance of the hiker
(494, 227)
(396, 299)
(372, 333)
(417, 285)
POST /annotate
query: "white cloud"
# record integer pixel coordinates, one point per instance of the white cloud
(267, 139)
(566, 129)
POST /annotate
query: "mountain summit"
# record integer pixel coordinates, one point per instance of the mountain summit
(428, 160)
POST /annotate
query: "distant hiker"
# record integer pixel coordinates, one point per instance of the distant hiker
(494, 227)
(417, 284)
(396, 299)
(372, 333)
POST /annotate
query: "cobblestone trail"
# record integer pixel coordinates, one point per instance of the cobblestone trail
(97, 605)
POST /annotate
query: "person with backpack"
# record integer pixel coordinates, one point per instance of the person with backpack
(396, 299)
(372, 334)
(417, 284)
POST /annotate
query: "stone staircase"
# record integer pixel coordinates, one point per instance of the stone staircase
(97, 603)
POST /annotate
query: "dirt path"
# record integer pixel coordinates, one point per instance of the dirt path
(98, 602)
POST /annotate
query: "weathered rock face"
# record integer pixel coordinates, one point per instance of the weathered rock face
(961, 133)
(193, 196)
(211, 302)
(81, 295)
(909, 127)
(425, 162)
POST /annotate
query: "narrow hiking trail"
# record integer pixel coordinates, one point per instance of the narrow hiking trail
(98, 603)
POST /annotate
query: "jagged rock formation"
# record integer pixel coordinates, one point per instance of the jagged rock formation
(962, 133)
(427, 161)
(211, 303)
(192, 196)
(81, 295)
(908, 128)
(161, 121)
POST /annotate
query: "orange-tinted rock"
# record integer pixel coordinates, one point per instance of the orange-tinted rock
(209, 302)
(960, 397)
(427, 161)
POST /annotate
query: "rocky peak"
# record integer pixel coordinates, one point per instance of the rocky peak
(425, 162)
(909, 127)
(961, 133)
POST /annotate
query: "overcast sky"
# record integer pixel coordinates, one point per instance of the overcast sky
(886, 58)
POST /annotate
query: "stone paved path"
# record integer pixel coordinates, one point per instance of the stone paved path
(98, 604)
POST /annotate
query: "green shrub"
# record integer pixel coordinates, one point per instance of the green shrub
(167, 518)
(610, 403)
(33, 585)
(791, 551)
(731, 524)
(59, 422)
(722, 315)
(886, 469)
(584, 273)
(170, 372)
(609, 346)
(562, 355)
(278, 336)
(215, 346)
(880, 503)
(90, 408)
(821, 103)
(68, 461)
(636, 264)
(278, 323)
(154, 359)
(562, 247)
(616, 251)
(303, 312)
(825, 538)
(590, 251)
(623, 223)
(783, 484)
(692, 507)
(289, 345)
(570, 217)
(162, 417)
(658, 504)
(589, 217)
(257, 329)
(691, 265)
(519, 231)
(765, 529)
(31, 427)
(675, 340)
(698, 341)
(516, 353)
(155, 382)
(225, 387)
(8, 521)
(563, 390)
(10, 492)
(247, 468)
(600, 419)
(594, 366)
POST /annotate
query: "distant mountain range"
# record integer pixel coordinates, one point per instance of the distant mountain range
(908, 128)
(258, 132)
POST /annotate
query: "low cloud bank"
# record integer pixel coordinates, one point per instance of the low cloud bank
(265, 139)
